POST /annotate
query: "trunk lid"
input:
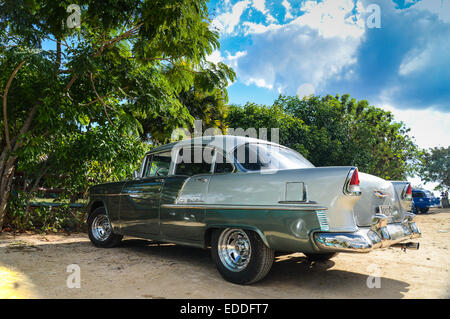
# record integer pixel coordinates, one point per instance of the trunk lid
(377, 196)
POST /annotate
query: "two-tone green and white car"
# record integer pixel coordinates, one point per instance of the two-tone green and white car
(247, 199)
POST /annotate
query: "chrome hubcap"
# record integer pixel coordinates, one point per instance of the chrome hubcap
(101, 228)
(234, 249)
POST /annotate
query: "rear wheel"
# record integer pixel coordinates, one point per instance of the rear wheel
(424, 210)
(240, 255)
(100, 231)
(321, 257)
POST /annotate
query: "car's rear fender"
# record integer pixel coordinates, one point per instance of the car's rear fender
(319, 189)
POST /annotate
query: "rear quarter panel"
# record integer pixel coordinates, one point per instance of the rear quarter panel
(282, 229)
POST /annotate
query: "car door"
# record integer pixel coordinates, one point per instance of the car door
(184, 190)
(140, 204)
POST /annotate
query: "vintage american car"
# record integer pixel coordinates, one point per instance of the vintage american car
(404, 193)
(423, 200)
(247, 199)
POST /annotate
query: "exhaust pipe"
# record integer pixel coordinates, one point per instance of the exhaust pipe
(405, 246)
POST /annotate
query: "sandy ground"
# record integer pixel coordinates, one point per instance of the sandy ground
(35, 266)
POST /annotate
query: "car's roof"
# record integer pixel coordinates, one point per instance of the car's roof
(226, 143)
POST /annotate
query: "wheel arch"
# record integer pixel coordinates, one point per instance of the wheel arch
(96, 204)
(210, 229)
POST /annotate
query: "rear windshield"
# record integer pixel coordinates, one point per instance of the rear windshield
(258, 157)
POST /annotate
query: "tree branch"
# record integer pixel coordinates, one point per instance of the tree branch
(117, 39)
(103, 48)
(99, 98)
(5, 95)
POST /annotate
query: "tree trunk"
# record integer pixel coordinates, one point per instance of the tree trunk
(35, 186)
(8, 162)
(5, 189)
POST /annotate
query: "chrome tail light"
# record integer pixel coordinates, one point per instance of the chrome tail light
(407, 193)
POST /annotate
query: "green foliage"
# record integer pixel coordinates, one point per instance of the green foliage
(434, 166)
(44, 219)
(292, 131)
(106, 89)
(333, 131)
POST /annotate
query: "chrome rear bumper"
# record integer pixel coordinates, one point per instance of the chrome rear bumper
(379, 235)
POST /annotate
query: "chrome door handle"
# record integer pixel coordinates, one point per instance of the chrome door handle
(202, 179)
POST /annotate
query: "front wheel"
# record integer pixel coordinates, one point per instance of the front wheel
(240, 255)
(100, 230)
(424, 210)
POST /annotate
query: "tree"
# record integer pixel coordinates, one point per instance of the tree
(128, 60)
(205, 100)
(336, 130)
(434, 166)
(292, 131)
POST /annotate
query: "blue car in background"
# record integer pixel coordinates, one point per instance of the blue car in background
(423, 200)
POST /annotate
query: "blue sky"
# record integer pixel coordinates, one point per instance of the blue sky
(332, 46)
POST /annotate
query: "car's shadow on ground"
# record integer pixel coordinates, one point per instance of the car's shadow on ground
(290, 271)
(321, 278)
(291, 275)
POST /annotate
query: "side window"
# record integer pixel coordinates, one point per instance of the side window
(249, 157)
(192, 161)
(158, 165)
(222, 164)
(418, 195)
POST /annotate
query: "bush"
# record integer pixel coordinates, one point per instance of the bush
(42, 218)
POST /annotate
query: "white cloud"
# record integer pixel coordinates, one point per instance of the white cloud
(230, 60)
(440, 7)
(304, 50)
(429, 127)
(260, 5)
(288, 8)
(255, 28)
(415, 60)
(333, 18)
(260, 82)
(215, 57)
(227, 22)
(306, 89)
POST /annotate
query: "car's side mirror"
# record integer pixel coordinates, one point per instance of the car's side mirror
(135, 175)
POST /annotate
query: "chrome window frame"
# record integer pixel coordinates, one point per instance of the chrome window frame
(145, 161)
(177, 150)
(229, 161)
(242, 169)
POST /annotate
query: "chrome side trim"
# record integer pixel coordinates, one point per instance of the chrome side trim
(122, 194)
(323, 220)
(297, 202)
(243, 207)
(102, 195)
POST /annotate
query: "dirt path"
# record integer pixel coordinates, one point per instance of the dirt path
(35, 266)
